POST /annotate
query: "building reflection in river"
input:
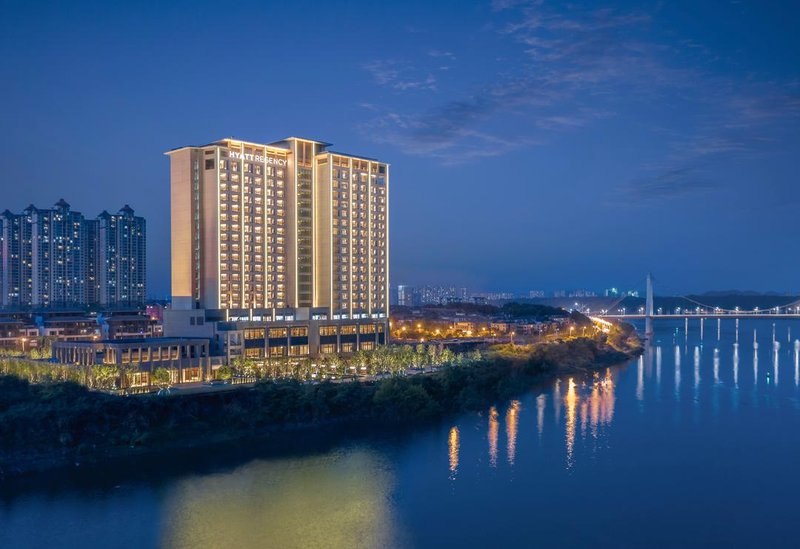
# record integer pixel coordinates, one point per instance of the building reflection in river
(571, 401)
(596, 409)
(640, 378)
(512, 417)
(775, 363)
(541, 401)
(492, 436)
(677, 372)
(320, 501)
(453, 441)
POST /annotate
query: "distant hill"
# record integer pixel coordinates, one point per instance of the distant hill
(751, 293)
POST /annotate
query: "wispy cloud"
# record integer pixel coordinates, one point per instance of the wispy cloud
(399, 76)
(668, 184)
(574, 68)
(442, 54)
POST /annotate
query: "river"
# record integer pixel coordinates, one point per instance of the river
(692, 445)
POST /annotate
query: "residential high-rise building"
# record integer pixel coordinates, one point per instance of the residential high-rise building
(286, 230)
(407, 296)
(121, 259)
(52, 258)
(411, 296)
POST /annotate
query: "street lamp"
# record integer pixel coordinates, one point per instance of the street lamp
(24, 339)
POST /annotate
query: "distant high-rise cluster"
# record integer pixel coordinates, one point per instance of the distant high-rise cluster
(411, 296)
(58, 258)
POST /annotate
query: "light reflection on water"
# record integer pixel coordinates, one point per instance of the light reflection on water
(307, 502)
(570, 401)
(452, 446)
(491, 435)
(512, 417)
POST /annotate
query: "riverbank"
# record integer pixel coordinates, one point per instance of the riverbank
(59, 425)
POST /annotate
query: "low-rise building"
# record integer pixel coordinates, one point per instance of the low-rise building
(186, 359)
(36, 326)
(297, 333)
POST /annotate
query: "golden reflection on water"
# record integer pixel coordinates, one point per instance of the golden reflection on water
(512, 417)
(452, 447)
(596, 409)
(571, 401)
(492, 436)
(603, 400)
(336, 500)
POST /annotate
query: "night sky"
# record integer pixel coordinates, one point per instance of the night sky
(534, 145)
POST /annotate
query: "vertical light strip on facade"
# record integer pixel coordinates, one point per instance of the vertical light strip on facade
(242, 247)
(266, 260)
(369, 239)
(217, 157)
(350, 177)
(386, 245)
(296, 226)
(331, 304)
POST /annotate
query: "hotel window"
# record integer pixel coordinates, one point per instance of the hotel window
(348, 330)
(254, 353)
(327, 349)
(277, 332)
(367, 329)
(327, 330)
(367, 345)
(299, 331)
(277, 351)
(347, 347)
(254, 333)
(298, 350)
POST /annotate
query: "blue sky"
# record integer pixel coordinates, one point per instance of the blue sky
(533, 144)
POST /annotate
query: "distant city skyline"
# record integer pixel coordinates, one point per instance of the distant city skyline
(533, 145)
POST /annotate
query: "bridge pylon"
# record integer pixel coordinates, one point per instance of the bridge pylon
(648, 309)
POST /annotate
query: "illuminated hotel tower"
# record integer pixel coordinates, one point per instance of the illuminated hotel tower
(279, 227)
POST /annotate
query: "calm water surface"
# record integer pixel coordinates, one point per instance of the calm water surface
(695, 444)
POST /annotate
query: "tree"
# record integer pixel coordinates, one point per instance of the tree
(225, 372)
(244, 366)
(105, 375)
(161, 377)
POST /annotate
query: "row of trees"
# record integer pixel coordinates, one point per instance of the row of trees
(42, 350)
(97, 376)
(385, 360)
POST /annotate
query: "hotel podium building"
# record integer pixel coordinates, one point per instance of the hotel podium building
(279, 249)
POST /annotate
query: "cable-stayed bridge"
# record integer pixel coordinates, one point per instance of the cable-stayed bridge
(694, 308)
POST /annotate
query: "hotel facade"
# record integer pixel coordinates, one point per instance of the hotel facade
(279, 249)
